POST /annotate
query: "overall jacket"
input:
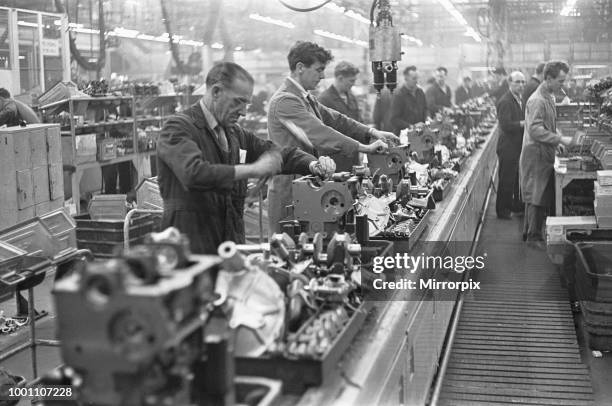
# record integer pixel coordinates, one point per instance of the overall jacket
(196, 178)
(294, 121)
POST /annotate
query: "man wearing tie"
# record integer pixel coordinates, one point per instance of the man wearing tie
(511, 117)
(296, 118)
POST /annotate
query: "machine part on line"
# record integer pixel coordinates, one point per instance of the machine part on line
(135, 322)
(233, 260)
(256, 302)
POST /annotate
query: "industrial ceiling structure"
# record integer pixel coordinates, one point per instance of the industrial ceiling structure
(269, 25)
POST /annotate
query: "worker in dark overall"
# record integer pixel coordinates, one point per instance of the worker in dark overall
(205, 159)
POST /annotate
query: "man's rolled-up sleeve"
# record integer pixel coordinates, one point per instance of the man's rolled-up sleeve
(181, 153)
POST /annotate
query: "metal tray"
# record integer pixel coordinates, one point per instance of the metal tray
(298, 375)
(405, 243)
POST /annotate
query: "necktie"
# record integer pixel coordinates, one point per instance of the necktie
(313, 105)
(222, 138)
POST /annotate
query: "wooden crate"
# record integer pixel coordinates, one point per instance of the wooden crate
(32, 182)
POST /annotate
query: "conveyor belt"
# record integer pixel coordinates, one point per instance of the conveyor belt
(515, 342)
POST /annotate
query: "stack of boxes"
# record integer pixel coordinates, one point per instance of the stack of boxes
(603, 199)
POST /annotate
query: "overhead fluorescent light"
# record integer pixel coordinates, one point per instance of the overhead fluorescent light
(342, 38)
(124, 33)
(413, 39)
(271, 20)
(216, 45)
(190, 42)
(146, 37)
(349, 13)
(590, 66)
(569, 8)
(452, 10)
(356, 16)
(471, 33)
(86, 31)
(27, 24)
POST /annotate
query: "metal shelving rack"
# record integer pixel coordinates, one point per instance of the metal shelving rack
(78, 106)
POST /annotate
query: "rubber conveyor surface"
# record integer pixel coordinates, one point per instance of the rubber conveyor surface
(515, 342)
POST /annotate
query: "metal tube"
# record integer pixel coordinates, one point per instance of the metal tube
(128, 219)
(457, 311)
(32, 315)
(14, 351)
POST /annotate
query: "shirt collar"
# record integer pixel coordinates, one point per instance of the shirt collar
(303, 91)
(210, 118)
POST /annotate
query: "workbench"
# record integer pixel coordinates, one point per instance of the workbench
(563, 177)
(394, 357)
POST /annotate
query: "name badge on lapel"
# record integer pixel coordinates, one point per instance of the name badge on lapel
(243, 154)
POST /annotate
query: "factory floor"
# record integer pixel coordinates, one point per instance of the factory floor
(49, 357)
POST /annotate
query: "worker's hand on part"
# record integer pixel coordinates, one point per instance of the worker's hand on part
(270, 163)
(561, 149)
(385, 136)
(566, 140)
(377, 147)
(325, 167)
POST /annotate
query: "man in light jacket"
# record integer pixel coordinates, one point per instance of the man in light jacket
(540, 141)
(296, 118)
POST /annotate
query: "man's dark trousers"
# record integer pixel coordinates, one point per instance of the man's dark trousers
(508, 194)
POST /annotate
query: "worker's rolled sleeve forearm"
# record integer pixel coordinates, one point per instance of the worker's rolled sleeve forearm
(183, 156)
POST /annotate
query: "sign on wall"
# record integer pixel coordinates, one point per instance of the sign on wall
(50, 47)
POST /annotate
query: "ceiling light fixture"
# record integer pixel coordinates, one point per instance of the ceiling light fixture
(413, 39)
(342, 38)
(569, 8)
(452, 10)
(271, 20)
(349, 13)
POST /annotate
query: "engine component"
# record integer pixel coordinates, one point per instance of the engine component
(316, 336)
(255, 301)
(377, 211)
(391, 164)
(322, 205)
(331, 288)
(422, 140)
(146, 329)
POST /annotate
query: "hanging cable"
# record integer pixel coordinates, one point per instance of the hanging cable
(180, 66)
(304, 10)
(74, 51)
